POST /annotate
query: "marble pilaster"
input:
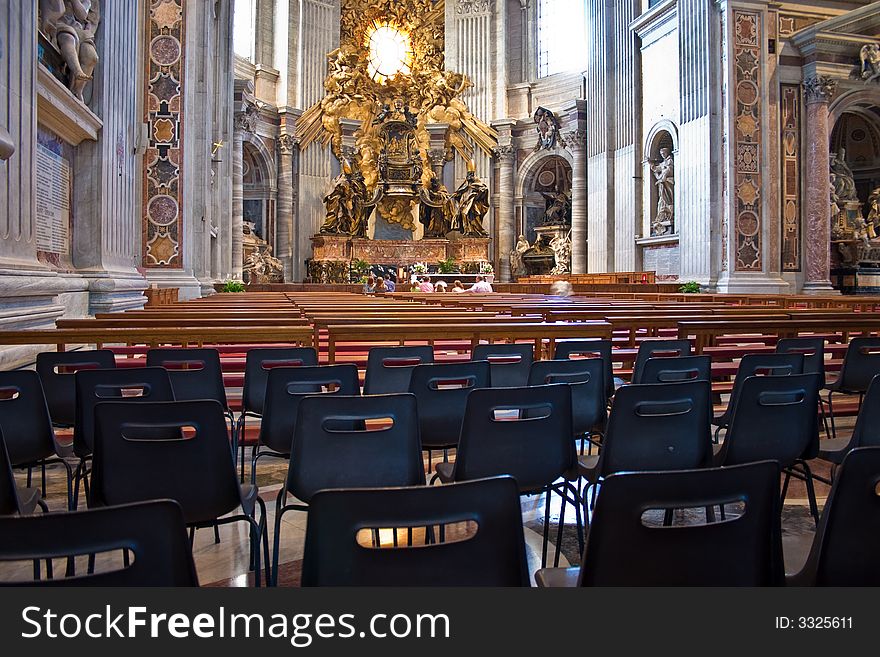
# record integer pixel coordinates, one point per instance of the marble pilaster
(818, 91)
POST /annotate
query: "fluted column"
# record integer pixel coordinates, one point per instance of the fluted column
(576, 142)
(818, 91)
(506, 156)
(284, 231)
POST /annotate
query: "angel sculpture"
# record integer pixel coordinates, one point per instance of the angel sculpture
(72, 24)
(869, 56)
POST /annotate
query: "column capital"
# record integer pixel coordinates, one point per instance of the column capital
(819, 89)
(504, 152)
(287, 144)
(575, 140)
(246, 120)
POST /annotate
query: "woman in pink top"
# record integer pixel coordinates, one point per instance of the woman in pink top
(426, 285)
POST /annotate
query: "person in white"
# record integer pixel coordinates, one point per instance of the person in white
(481, 286)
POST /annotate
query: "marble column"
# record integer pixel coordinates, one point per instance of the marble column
(576, 142)
(241, 124)
(506, 157)
(284, 231)
(818, 91)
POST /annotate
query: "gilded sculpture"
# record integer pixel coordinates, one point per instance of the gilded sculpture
(869, 58)
(437, 209)
(71, 25)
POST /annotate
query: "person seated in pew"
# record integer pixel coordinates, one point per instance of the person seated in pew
(426, 285)
(390, 286)
(440, 287)
(380, 285)
(481, 286)
(457, 287)
(370, 285)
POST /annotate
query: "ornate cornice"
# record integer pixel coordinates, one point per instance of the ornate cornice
(287, 144)
(819, 89)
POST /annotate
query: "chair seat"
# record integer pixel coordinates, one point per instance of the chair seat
(588, 467)
(555, 578)
(833, 450)
(445, 472)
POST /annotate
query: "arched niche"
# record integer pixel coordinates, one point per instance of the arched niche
(259, 188)
(856, 130)
(664, 134)
(542, 171)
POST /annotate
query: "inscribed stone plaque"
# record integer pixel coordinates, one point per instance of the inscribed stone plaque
(664, 260)
(53, 201)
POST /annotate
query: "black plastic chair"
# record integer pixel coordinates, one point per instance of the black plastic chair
(258, 364)
(442, 391)
(27, 428)
(494, 555)
(522, 432)
(586, 349)
(175, 450)
(285, 388)
(195, 374)
(15, 500)
(866, 432)
(663, 426)
(589, 403)
(349, 442)
(622, 550)
(658, 349)
(775, 417)
(676, 369)
(153, 531)
(860, 365)
(757, 365)
(57, 370)
(846, 547)
(96, 386)
(389, 368)
(813, 351)
(508, 363)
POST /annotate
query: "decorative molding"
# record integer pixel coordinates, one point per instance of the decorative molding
(62, 112)
(819, 89)
(790, 145)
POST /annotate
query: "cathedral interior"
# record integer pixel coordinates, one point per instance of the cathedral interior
(188, 143)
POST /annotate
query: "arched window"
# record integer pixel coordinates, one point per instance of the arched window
(244, 28)
(562, 36)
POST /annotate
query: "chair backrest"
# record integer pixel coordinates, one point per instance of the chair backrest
(494, 555)
(658, 349)
(860, 364)
(867, 429)
(508, 363)
(175, 450)
(522, 432)
(676, 369)
(194, 373)
(260, 362)
(775, 417)
(355, 442)
(626, 548)
(586, 349)
(663, 426)
(24, 418)
(389, 368)
(57, 370)
(586, 378)
(153, 531)
(130, 386)
(9, 502)
(846, 548)
(764, 365)
(442, 391)
(813, 350)
(287, 386)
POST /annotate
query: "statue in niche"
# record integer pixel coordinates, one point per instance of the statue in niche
(869, 57)
(844, 181)
(517, 267)
(344, 204)
(558, 208)
(472, 204)
(437, 209)
(664, 174)
(71, 25)
(547, 126)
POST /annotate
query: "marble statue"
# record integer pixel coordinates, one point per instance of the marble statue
(558, 208)
(361, 213)
(343, 204)
(547, 127)
(517, 266)
(844, 181)
(436, 210)
(71, 25)
(472, 204)
(263, 267)
(664, 174)
(561, 245)
(869, 56)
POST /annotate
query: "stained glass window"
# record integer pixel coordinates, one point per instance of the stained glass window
(562, 36)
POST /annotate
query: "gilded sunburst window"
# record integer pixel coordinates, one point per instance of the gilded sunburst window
(390, 51)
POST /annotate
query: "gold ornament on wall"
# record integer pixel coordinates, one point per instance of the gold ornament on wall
(391, 56)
